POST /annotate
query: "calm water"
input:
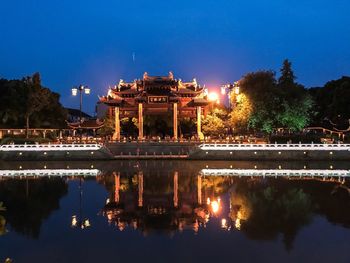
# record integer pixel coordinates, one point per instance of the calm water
(171, 212)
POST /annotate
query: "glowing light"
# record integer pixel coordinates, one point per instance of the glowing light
(87, 223)
(238, 224)
(275, 172)
(87, 90)
(74, 221)
(213, 96)
(237, 90)
(208, 201)
(214, 207)
(224, 223)
(74, 91)
(274, 147)
(49, 147)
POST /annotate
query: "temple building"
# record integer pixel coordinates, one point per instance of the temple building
(156, 95)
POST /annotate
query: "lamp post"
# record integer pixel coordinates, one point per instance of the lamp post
(82, 89)
(77, 220)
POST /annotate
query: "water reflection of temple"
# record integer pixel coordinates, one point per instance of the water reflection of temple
(167, 203)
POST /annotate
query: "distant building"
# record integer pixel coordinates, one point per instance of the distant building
(74, 115)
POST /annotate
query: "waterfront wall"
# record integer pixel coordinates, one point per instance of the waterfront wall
(264, 155)
(182, 151)
(54, 152)
(271, 152)
(150, 148)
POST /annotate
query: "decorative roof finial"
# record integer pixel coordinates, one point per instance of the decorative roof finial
(171, 75)
(145, 75)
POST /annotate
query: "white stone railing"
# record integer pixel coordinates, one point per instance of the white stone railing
(50, 147)
(275, 147)
(276, 172)
(49, 172)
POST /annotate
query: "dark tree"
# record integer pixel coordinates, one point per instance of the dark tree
(297, 104)
(287, 77)
(260, 88)
(332, 103)
(25, 103)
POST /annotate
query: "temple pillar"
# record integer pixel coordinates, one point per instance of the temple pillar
(175, 120)
(199, 189)
(140, 121)
(116, 134)
(176, 187)
(117, 187)
(199, 126)
(140, 186)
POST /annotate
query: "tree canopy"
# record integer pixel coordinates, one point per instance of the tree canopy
(332, 102)
(25, 103)
(266, 103)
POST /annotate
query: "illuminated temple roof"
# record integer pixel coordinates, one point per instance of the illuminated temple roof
(140, 89)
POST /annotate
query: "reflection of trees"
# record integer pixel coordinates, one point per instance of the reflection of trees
(29, 202)
(2, 220)
(267, 211)
(331, 200)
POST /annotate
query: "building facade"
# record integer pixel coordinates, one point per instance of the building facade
(155, 95)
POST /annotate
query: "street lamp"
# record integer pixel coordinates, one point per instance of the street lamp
(78, 221)
(82, 89)
(213, 97)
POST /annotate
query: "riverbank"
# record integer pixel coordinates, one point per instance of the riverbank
(180, 151)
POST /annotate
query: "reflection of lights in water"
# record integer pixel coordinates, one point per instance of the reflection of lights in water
(74, 221)
(196, 226)
(224, 223)
(121, 225)
(109, 216)
(84, 224)
(238, 224)
(214, 206)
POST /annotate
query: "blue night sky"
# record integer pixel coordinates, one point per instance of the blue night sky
(92, 42)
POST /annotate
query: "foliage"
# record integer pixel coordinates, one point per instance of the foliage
(108, 127)
(267, 103)
(158, 125)
(296, 115)
(239, 117)
(261, 90)
(27, 103)
(332, 102)
(129, 126)
(2, 220)
(213, 124)
(297, 103)
(187, 126)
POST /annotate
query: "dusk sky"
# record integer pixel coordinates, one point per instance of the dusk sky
(93, 42)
